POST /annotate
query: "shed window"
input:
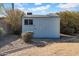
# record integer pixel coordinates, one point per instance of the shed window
(28, 22)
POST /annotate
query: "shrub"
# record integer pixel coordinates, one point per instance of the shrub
(69, 22)
(2, 31)
(27, 37)
(13, 19)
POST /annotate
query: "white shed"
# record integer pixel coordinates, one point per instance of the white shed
(42, 26)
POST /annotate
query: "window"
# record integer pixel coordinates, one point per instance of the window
(28, 22)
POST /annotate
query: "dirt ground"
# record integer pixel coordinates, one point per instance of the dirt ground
(64, 47)
(12, 45)
(55, 49)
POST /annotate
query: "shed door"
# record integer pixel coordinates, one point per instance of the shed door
(40, 28)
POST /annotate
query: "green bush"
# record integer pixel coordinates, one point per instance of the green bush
(69, 22)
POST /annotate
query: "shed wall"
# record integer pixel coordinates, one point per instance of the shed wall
(43, 27)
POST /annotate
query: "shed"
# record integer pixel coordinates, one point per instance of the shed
(42, 26)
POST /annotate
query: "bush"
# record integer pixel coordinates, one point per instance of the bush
(68, 30)
(69, 22)
(13, 19)
(27, 37)
(2, 31)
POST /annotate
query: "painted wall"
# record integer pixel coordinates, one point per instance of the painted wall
(43, 27)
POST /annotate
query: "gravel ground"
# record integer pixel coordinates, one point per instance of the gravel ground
(12, 43)
(55, 49)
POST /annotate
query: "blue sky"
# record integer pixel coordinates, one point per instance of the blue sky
(44, 8)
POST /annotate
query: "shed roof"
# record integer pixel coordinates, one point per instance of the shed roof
(42, 16)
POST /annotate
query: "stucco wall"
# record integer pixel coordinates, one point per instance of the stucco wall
(43, 27)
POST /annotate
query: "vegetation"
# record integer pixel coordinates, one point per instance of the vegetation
(1, 31)
(69, 22)
(27, 37)
(13, 19)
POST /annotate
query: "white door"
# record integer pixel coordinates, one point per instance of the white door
(40, 28)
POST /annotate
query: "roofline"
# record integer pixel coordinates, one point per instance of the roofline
(40, 16)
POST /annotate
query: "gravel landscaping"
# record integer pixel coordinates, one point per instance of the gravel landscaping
(13, 45)
(54, 49)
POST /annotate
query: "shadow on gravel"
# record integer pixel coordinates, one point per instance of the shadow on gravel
(15, 50)
(32, 44)
(7, 40)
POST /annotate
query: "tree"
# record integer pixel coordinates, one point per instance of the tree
(13, 18)
(69, 22)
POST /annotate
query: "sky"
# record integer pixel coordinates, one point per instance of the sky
(44, 8)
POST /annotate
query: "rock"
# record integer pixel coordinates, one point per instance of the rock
(40, 44)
